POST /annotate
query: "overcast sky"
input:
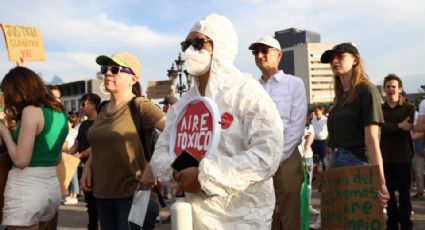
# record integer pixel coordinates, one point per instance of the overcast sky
(390, 34)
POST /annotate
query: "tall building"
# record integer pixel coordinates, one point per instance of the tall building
(289, 38)
(317, 77)
(301, 57)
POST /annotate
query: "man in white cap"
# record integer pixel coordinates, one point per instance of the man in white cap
(288, 93)
(232, 188)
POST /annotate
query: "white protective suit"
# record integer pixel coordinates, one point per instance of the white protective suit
(236, 180)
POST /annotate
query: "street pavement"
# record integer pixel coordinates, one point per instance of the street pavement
(75, 216)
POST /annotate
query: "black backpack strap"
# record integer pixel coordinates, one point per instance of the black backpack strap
(143, 139)
(136, 120)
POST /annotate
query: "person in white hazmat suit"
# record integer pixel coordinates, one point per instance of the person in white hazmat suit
(233, 187)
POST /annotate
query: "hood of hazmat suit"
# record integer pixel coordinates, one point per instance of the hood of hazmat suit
(236, 179)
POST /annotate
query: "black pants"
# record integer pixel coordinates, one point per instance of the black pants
(91, 211)
(319, 148)
(90, 204)
(113, 214)
(398, 178)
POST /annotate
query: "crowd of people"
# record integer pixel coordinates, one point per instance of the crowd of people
(252, 180)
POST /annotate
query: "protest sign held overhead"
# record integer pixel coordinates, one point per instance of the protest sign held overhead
(349, 198)
(23, 42)
(197, 128)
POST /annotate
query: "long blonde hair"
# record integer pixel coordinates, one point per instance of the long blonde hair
(358, 78)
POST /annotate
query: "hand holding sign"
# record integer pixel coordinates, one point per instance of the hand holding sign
(383, 196)
(186, 172)
(188, 180)
(20, 62)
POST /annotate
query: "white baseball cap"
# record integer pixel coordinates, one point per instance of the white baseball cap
(266, 40)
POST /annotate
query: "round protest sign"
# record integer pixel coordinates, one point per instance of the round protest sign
(196, 129)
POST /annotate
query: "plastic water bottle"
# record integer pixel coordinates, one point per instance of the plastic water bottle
(181, 214)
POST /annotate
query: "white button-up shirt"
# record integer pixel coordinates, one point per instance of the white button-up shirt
(320, 128)
(288, 93)
(422, 108)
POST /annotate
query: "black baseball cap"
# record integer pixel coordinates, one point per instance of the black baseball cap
(70, 113)
(169, 100)
(340, 48)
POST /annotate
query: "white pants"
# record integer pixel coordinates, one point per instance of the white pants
(32, 195)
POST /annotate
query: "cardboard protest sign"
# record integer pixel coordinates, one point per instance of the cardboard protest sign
(196, 129)
(65, 170)
(349, 198)
(23, 41)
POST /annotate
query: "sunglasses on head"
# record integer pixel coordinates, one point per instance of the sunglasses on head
(197, 43)
(115, 69)
(263, 51)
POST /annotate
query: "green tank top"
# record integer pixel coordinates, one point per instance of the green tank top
(48, 143)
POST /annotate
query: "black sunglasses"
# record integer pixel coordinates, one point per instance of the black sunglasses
(115, 69)
(197, 43)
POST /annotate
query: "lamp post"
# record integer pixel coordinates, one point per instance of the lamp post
(174, 73)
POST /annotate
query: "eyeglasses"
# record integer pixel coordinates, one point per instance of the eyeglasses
(197, 43)
(115, 69)
(263, 51)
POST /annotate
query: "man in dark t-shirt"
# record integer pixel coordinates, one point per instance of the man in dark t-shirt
(82, 150)
(397, 152)
(83, 143)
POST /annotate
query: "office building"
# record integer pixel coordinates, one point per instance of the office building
(301, 57)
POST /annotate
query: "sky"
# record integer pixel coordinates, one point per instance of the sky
(390, 34)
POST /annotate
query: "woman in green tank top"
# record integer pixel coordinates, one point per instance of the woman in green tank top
(34, 148)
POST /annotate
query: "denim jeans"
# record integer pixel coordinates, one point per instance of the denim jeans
(113, 214)
(73, 186)
(342, 157)
(309, 161)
